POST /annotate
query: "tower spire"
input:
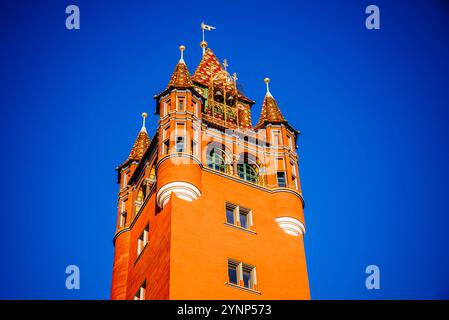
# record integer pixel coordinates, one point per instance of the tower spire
(267, 81)
(182, 48)
(142, 142)
(181, 76)
(144, 129)
(270, 111)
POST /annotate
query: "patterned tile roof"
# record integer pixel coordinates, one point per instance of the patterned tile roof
(209, 66)
(140, 145)
(244, 115)
(181, 76)
(270, 112)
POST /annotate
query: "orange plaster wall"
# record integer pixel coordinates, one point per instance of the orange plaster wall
(120, 268)
(201, 244)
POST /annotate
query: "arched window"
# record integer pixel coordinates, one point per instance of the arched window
(247, 171)
(216, 160)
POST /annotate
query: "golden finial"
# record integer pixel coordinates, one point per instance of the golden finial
(267, 81)
(203, 44)
(182, 48)
(144, 115)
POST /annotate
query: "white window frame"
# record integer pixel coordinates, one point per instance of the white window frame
(195, 108)
(166, 104)
(140, 294)
(123, 205)
(240, 266)
(165, 149)
(195, 141)
(183, 138)
(278, 141)
(236, 213)
(285, 178)
(184, 100)
(125, 180)
(142, 241)
(123, 217)
(294, 174)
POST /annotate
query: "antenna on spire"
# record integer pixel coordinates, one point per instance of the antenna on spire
(267, 81)
(203, 44)
(144, 115)
(182, 48)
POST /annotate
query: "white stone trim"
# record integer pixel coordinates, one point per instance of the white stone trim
(183, 190)
(291, 225)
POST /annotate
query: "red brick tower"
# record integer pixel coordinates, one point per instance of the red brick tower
(211, 207)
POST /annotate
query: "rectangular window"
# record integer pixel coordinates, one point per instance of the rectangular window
(281, 179)
(194, 148)
(294, 180)
(230, 213)
(290, 143)
(166, 141)
(123, 207)
(195, 108)
(244, 217)
(166, 107)
(247, 278)
(280, 164)
(180, 129)
(165, 133)
(232, 272)
(277, 140)
(140, 294)
(143, 240)
(125, 180)
(181, 104)
(195, 142)
(242, 274)
(180, 144)
(123, 219)
(238, 216)
(165, 147)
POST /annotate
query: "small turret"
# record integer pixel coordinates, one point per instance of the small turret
(270, 111)
(181, 76)
(142, 142)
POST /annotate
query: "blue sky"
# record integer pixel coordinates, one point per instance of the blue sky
(372, 108)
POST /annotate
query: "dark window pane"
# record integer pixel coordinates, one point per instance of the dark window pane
(215, 160)
(247, 172)
(247, 279)
(230, 215)
(180, 144)
(243, 220)
(232, 273)
(281, 179)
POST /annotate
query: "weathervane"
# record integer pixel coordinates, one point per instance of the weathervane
(203, 43)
